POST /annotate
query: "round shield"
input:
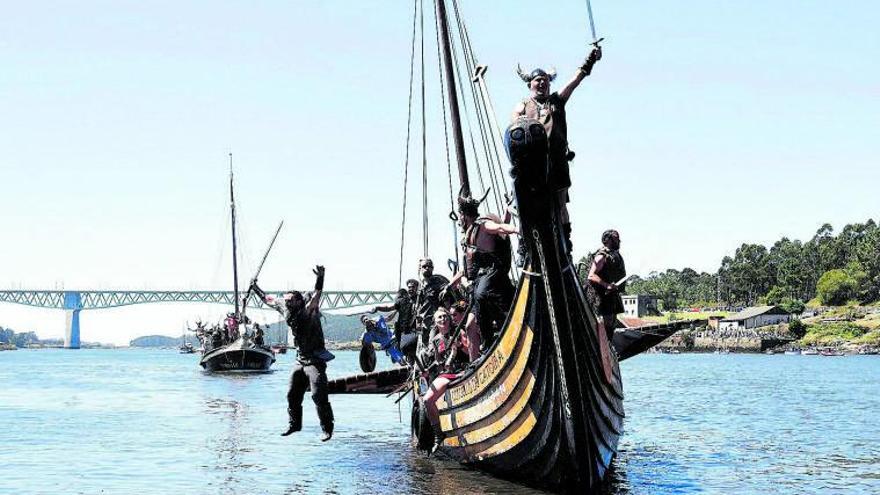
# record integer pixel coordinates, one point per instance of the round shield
(368, 358)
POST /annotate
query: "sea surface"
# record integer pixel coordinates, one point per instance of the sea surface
(150, 421)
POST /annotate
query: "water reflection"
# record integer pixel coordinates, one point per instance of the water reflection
(616, 481)
(232, 444)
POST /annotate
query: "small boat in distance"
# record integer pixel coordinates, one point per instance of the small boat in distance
(810, 352)
(793, 352)
(233, 347)
(830, 352)
(241, 355)
(186, 347)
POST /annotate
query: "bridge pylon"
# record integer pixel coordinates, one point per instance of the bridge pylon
(72, 306)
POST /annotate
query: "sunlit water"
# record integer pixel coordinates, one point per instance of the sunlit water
(150, 421)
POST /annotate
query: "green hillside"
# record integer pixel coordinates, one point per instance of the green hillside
(156, 341)
(340, 328)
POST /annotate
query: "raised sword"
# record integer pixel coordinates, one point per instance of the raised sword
(596, 40)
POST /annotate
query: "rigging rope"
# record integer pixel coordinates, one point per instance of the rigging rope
(446, 137)
(464, 64)
(468, 120)
(468, 71)
(406, 160)
(424, 137)
(483, 117)
(478, 86)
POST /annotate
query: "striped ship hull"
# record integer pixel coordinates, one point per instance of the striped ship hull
(545, 405)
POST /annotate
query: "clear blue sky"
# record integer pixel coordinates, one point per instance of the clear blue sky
(707, 124)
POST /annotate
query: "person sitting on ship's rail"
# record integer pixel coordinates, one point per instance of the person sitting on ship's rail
(447, 357)
(486, 264)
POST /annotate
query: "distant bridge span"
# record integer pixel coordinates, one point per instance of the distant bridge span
(86, 299)
(74, 301)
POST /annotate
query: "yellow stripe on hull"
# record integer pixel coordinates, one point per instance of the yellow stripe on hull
(526, 424)
(498, 397)
(495, 363)
(496, 427)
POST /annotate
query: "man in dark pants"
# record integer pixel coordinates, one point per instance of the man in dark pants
(606, 270)
(304, 320)
(487, 261)
(549, 109)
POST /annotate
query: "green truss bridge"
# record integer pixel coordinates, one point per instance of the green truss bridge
(74, 301)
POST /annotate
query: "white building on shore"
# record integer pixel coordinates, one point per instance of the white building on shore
(754, 317)
(638, 305)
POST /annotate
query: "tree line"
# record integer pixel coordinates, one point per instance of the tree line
(21, 339)
(835, 269)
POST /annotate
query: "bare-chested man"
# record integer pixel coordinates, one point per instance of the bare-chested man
(487, 260)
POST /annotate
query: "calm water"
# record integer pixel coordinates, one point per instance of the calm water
(142, 421)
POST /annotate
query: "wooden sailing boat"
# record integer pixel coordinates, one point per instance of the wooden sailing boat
(242, 354)
(186, 347)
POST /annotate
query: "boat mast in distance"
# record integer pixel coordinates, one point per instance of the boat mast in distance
(234, 246)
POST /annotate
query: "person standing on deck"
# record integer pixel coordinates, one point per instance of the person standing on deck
(549, 109)
(304, 320)
(606, 270)
(429, 297)
(487, 262)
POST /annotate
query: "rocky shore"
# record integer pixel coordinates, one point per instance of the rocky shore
(775, 339)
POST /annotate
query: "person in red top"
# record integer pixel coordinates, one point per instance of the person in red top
(448, 356)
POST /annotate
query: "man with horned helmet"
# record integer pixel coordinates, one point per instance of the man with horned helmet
(487, 260)
(310, 371)
(549, 109)
(606, 271)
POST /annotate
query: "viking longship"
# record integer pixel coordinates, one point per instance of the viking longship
(544, 404)
(241, 353)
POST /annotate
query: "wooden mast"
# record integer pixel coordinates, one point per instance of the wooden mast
(234, 246)
(446, 50)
